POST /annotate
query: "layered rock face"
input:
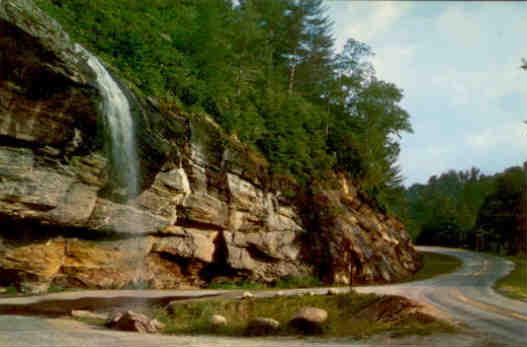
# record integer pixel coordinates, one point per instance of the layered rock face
(358, 244)
(208, 208)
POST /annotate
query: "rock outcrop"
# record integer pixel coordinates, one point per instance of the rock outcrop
(208, 206)
(356, 242)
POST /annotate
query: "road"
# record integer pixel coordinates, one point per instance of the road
(465, 296)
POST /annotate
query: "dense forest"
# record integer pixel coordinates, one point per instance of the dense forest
(467, 208)
(266, 70)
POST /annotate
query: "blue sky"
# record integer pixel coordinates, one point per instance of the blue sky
(458, 64)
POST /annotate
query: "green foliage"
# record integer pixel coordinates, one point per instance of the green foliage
(468, 209)
(11, 290)
(298, 282)
(283, 283)
(241, 284)
(56, 289)
(265, 70)
(500, 217)
(445, 209)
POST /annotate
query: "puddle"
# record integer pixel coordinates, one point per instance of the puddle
(57, 308)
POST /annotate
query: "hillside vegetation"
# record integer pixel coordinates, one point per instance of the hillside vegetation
(265, 70)
(482, 212)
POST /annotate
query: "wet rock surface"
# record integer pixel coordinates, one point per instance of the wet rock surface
(208, 206)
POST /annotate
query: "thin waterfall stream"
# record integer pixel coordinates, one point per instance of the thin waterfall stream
(121, 148)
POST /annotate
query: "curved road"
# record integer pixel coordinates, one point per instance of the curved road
(465, 296)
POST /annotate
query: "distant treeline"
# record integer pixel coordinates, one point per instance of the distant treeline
(469, 209)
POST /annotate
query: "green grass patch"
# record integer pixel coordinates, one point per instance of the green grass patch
(298, 282)
(241, 284)
(435, 264)
(193, 317)
(514, 284)
(11, 290)
(56, 289)
(283, 283)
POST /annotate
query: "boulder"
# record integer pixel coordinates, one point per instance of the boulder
(247, 295)
(261, 326)
(218, 320)
(333, 291)
(309, 320)
(132, 321)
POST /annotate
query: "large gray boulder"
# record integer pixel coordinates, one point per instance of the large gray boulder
(309, 320)
(261, 326)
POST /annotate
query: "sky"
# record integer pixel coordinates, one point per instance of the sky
(458, 64)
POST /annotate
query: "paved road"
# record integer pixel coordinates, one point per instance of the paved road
(465, 296)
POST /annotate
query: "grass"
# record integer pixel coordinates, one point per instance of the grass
(435, 264)
(283, 283)
(514, 284)
(56, 289)
(11, 290)
(241, 284)
(193, 317)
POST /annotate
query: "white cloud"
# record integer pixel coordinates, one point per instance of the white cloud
(366, 21)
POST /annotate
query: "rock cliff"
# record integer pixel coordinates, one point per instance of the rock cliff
(208, 208)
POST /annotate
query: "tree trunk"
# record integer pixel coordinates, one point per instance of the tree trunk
(291, 85)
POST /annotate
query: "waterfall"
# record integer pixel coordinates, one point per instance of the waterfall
(118, 124)
(122, 150)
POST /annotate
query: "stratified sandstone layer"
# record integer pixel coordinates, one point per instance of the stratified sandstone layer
(208, 207)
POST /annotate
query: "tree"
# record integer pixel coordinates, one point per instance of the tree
(501, 214)
(265, 70)
(452, 197)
